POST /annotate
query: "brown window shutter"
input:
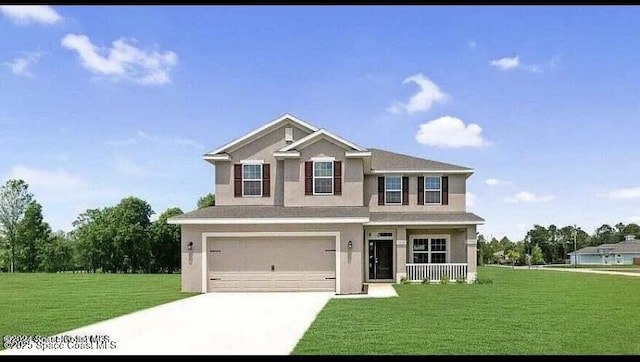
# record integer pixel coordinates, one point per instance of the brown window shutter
(308, 178)
(405, 191)
(380, 190)
(237, 180)
(420, 190)
(337, 177)
(445, 190)
(266, 180)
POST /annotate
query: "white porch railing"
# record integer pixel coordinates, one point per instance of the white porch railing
(433, 272)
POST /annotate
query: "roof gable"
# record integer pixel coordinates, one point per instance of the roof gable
(258, 132)
(319, 135)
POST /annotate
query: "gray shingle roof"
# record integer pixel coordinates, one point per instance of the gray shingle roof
(439, 217)
(385, 160)
(249, 212)
(632, 246)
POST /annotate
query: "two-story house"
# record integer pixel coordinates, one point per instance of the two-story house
(299, 208)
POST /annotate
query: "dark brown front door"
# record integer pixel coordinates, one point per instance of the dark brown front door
(380, 259)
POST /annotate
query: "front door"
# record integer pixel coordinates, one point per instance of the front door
(380, 259)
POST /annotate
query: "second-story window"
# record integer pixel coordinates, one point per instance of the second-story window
(432, 190)
(393, 190)
(323, 177)
(252, 179)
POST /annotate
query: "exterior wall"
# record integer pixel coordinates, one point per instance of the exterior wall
(352, 178)
(472, 253)
(351, 260)
(457, 253)
(457, 196)
(597, 259)
(260, 149)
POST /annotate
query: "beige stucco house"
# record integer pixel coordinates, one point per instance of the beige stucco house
(299, 208)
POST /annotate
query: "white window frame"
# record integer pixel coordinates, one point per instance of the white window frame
(395, 190)
(447, 251)
(425, 190)
(333, 171)
(252, 163)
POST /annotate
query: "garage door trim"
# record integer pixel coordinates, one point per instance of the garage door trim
(207, 235)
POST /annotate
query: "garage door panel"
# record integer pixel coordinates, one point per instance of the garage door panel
(245, 264)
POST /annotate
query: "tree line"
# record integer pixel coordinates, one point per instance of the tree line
(115, 239)
(547, 245)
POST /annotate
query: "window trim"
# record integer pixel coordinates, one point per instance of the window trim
(428, 251)
(252, 163)
(313, 175)
(396, 190)
(425, 190)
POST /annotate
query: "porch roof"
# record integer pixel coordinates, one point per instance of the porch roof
(421, 218)
(267, 214)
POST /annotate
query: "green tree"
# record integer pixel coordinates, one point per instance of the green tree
(513, 256)
(536, 255)
(32, 233)
(631, 229)
(206, 201)
(14, 199)
(605, 234)
(165, 243)
(129, 224)
(57, 253)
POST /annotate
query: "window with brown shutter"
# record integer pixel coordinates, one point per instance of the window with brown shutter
(380, 190)
(337, 177)
(308, 178)
(420, 190)
(237, 180)
(445, 190)
(405, 191)
(266, 180)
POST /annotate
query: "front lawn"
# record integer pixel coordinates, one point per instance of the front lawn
(522, 312)
(47, 304)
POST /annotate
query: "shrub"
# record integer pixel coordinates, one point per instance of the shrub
(444, 279)
(404, 280)
(426, 281)
(460, 279)
(483, 281)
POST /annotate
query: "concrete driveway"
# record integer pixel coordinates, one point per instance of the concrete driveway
(207, 324)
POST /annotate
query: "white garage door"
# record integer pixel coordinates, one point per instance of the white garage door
(272, 264)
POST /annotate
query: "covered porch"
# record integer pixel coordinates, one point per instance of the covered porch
(423, 249)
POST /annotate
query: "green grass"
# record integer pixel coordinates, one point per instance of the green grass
(522, 312)
(47, 304)
(595, 266)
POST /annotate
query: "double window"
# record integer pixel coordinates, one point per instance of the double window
(393, 190)
(252, 179)
(323, 177)
(429, 250)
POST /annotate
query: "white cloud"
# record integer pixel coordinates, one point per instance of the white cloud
(165, 141)
(450, 132)
(635, 220)
(496, 182)
(127, 167)
(529, 197)
(57, 180)
(470, 199)
(428, 94)
(27, 14)
(20, 65)
(506, 63)
(123, 60)
(623, 194)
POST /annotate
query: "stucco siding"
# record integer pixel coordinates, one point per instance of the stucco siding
(260, 149)
(457, 196)
(352, 178)
(351, 277)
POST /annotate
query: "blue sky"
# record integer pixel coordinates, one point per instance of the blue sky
(101, 102)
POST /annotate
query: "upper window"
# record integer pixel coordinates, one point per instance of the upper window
(251, 180)
(393, 190)
(432, 190)
(323, 177)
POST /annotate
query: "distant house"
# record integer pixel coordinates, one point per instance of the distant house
(608, 254)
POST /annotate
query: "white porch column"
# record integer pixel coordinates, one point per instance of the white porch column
(401, 253)
(471, 253)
